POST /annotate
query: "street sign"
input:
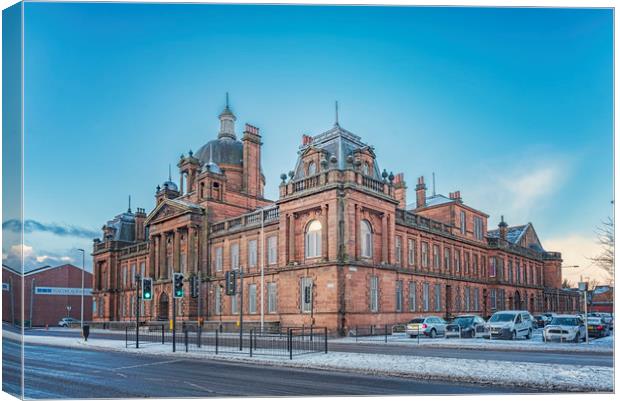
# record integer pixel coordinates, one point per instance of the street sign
(583, 286)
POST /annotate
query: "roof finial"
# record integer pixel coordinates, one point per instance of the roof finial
(129, 208)
(226, 99)
(434, 183)
(169, 172)
(336, 123)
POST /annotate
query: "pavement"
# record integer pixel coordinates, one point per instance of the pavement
(61, 372)
(378, 347)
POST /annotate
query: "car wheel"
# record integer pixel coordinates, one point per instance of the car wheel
(513, 335)
(433, 333)
(411, 336)
(529, 334)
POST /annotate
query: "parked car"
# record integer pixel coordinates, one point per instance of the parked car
(67, 322)
(430, 326)
(541, 321)
(597, 327)
(608, 318)
(565, 328)
(466, 326)
(510, 324)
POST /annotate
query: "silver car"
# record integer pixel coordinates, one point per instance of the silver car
(565, 328)
(430, 326)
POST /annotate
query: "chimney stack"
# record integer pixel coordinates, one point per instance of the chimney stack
(456, 195)
(306, 140)
(503, 228)
(400, 190)
(420, 193)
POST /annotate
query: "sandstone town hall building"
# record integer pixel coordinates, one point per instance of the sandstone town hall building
(342, 226)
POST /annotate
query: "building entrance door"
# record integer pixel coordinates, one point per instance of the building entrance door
(162, 312)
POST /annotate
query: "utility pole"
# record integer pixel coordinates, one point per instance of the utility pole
(262, 269)
(138, 279)
(82, 296)
(31, 300)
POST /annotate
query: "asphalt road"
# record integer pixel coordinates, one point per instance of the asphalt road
(58, 372)
(552, 357)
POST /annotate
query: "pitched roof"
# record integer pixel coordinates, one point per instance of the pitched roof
(513, 234)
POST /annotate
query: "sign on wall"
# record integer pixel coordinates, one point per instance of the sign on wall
(61, 291)
(6, 287)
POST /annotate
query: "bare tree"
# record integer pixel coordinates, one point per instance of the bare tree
(566, 283)
(605, 237)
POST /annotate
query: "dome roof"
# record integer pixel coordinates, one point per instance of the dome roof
(171, 186)
(223, 150)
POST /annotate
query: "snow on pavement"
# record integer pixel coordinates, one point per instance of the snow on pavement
(491, 372)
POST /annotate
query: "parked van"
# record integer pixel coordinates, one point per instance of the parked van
(511, 324)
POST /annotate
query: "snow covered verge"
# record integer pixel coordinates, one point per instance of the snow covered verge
(505, 373)
(600, 345)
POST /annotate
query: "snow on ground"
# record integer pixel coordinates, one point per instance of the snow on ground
(505, 373)
(602, 345)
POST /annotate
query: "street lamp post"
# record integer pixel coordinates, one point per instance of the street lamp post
(68, 308)
(82, 295)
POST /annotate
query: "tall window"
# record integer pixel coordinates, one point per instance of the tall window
(272, 301)
(272, 250)
(478, 228)
(436, 257)
(366, 168)
(218, 300)
(252, 298)
(475, 263)
(424, 254)
(467, 306)
(437, 297)
(183, 255)
(463, 222)
(411, 252)
(313, 239)
(94, 307)
(525, 275)
(306, 294)
(124, 273)
(219, 259)
(233, 304)
(234, 256)
(457, 299)
(143, 269)
(510, 271)
(493, 296)
(366, 236)
(252, 253)
(399, 296)
(492, 267)
(132, 278)
(476, 299)
(311, 168)
(425, 297)
(457, 261)
(466, 262)
(399, 250)
(447, 258)
(374, 293)
(412, 297)
(518, 273)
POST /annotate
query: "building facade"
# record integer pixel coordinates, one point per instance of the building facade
(340, 247)
(50, 293)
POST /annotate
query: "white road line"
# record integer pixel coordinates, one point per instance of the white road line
(120, 374)
(144, 364)
(199, 387)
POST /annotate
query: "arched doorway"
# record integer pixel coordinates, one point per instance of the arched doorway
(162, 310)
(517, 300)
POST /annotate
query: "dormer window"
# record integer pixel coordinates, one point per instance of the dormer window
(311, 168)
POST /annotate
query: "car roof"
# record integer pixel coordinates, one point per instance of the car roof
(566, 316)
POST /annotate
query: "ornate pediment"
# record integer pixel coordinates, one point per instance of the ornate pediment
(171, 208)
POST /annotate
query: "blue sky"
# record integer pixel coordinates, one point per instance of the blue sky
(511, 106)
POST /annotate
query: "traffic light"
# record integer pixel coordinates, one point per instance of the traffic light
(307, 294)
(178, 285)
(231, 282)
(194, 282)
(147, 289)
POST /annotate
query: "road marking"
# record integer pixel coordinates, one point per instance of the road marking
(144, 364)
(121, 375)
(199, 387)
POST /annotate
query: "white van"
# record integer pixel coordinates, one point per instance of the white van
(510, 324)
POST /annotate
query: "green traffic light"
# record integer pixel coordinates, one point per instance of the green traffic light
(147, 295)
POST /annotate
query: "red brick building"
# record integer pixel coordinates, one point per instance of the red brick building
(341, 226)
(601, 299)
(49, 294)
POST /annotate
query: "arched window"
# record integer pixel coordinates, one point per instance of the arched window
(366, 168)
(313, 239)
(366, 237)
(311, 168)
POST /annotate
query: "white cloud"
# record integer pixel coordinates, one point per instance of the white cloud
(528, 188)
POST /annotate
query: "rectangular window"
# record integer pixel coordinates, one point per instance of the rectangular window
(457, 261)
(399, 296)
(306, 294)
(424, 254)
(234, 256)
(94, 306)
(399, 250)
(476, 299)
(183, 261)
(475, 264)
(132, 278)
(374, 293)
(411, 252)
(124, 273)
(466, 262)
(143, 269)
(467, 299)
(525, 275)
(233, 304)
(272, 250)
(463, 223)
(493, 299)
(437, 297)
(457, 299)
(478, 228)
(518, 274)
(510, 271)
(219, 259)
(412, 297)
(252, 298)
(436, 257)
(218, 300)
(492, 267)
(252, 253)
(272, 301)
(425, 297)
(447, 258)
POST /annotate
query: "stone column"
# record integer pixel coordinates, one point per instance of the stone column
(324, 232)
(151, 269)
(181, 183)
(162, 256)
(176, 251)
(384, 238)
(291, 237)
(191, 249)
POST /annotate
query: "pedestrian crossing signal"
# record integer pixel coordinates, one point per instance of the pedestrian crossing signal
(147, 289)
